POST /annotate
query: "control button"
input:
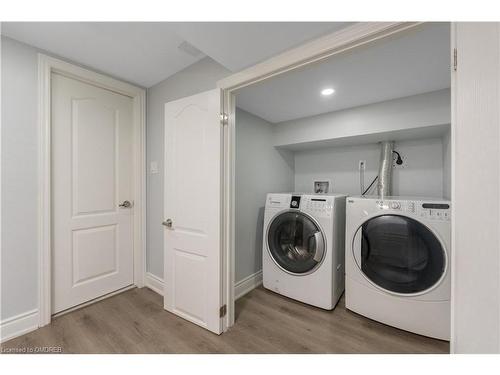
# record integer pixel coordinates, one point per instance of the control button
(396, 205)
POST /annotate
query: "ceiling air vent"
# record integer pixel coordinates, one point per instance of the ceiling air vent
(190, 49)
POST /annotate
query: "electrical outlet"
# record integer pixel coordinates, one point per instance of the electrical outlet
(362, 165)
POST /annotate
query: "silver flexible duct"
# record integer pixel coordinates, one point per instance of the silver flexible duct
(384, 185)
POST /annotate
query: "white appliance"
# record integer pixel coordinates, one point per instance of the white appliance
(303, 247)
(398, 262)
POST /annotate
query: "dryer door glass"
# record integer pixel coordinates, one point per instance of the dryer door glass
(295, 242)
(400, 254)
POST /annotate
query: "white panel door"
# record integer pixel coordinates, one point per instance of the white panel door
(92, 252)
(193, 159)
(476, 190)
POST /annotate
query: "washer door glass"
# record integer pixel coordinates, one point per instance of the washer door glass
(295, 242)
(400, 254)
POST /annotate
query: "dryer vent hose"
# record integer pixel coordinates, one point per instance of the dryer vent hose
(384, 185)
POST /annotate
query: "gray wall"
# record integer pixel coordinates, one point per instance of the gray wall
(19, 253)
(196, 78)
(423, 175)
(260, 169)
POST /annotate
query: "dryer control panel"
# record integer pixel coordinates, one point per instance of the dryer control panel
(422, 209)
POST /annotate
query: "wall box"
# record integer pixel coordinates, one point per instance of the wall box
(321, 186)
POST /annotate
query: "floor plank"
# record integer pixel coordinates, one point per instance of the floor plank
(135, 322)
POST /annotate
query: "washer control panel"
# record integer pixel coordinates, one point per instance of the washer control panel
(422, 209)
(317, 205)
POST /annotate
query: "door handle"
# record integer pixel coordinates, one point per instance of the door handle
(168, 223)
(320, 247)
(125, 204)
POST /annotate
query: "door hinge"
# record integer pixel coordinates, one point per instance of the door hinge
(222, 311)
(223, 119)
(455, 62)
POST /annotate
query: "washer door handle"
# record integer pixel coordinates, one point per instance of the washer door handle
(320, 247)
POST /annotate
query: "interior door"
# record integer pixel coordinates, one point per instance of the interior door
(92, 174)
(476, 189)
(193, 174)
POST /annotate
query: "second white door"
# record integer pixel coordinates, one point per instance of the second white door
(193, 159)
(92, 190)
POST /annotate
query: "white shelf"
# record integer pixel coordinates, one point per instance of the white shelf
(434, 131)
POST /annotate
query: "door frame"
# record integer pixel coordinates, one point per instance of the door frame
(46, 66)
(453, 48)
(315, 51)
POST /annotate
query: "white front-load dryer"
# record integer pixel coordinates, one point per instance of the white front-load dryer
(303, 256)
(398, 262)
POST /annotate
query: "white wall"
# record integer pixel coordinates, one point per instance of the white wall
(418, 111)
(423, 175)
(19, 253)
(260, 169)
(476, 191)
(196, 78)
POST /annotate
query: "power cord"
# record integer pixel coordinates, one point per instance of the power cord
(368, 188)
(399, 160)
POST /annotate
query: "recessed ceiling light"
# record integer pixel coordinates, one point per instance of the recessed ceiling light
(327, 92)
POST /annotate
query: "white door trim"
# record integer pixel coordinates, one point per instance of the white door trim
(453, 45)
(46, 66)
(343, 40)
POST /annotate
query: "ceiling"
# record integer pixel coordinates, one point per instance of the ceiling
(238, 45)
(146, 53)
(141, 53)
(410, 63)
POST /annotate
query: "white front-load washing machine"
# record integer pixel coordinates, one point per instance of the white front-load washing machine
(303, 247)
(398, 262)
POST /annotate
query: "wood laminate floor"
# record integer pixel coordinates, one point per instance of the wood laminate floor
(135, 322)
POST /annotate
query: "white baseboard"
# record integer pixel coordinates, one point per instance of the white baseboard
(154, 283)
(241, 288)
(246, 285)
(18, 325)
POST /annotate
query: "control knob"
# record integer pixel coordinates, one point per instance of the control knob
(396, 205)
